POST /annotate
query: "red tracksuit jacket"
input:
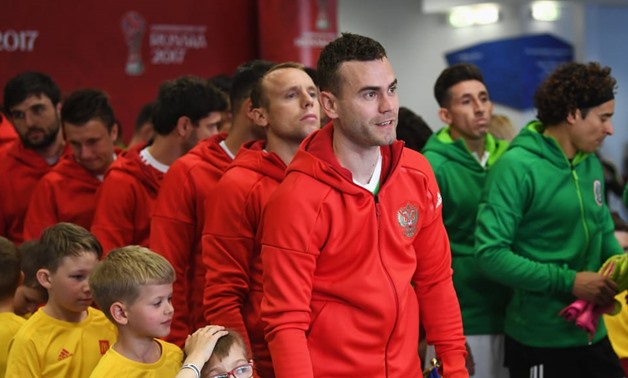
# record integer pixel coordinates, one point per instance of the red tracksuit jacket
(65, 194)
(20, 170)
(233, 286)
(340, 263)
(7, 135)
(177, 225)
(125, 202)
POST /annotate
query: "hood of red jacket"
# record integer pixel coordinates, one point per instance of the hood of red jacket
(316, 158)
(252, 156)
(31, 158)
(130, 163)
(210, 150)
(70, 168)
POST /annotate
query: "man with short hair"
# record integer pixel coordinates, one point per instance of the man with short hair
(285, 102)
(32, 101)
(187, 111)
(354, 251)
(177, 223)
(544, 229)
(68, 192)
(461, 155)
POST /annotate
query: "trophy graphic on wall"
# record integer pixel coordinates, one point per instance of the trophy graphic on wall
(133, 27)
(322, 20)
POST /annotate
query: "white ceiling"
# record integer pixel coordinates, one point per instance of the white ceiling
(440, 6)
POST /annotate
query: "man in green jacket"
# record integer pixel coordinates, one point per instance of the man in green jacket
(544, 228)
(461, 155)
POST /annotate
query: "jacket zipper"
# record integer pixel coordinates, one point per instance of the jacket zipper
(390, 281)
(582, 215)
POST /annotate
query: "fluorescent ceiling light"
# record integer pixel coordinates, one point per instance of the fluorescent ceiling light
(482, 14)
(545, 11)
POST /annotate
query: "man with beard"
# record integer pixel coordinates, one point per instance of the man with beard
(68, 192)
(32, 101)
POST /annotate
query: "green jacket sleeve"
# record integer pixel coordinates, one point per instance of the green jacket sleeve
(507, 191)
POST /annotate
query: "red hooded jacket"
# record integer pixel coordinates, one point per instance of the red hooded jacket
(20, 170)
(348, 274)
(125, 202)
(177, 225)
(7, 135)
(65, 194)
(233, 287)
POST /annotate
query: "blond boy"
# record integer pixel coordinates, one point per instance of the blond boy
(65, 337)
(133, 286)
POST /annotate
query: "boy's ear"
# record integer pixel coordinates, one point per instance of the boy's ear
(118, 313)
(43, 277)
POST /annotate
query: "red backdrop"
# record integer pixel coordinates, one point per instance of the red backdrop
(127, 48)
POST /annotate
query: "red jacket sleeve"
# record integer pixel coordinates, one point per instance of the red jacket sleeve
(42, 211)
(227, 245)
(172, 234)
(438, 302)
(113, 223)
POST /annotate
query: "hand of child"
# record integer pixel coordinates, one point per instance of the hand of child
(200, 345)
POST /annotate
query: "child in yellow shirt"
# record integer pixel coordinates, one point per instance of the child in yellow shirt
(133, 286)
(10, 277)
(64, 338)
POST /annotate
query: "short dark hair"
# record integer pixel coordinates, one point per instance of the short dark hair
(145, 115)
(222, 82)
(245, 77)
(451, 76)
(186, 96)
(348, 47)
(570, 87)
(85, 105)
(9, 268)
(66, 239)
(412, 129)
(30, 83)
(31, 253)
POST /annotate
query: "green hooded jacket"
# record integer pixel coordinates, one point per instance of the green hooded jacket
(541, 220)
(460, 179)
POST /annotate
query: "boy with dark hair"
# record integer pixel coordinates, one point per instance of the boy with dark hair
(187, 111)
(461, 154)
(177, 223)
(133, 286)
(10, 277)
(68, 192)
(30, 294)
(544, 229)
(66, 337)
(32, 102)
(354, 252)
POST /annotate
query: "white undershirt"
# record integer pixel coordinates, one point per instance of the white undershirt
(374, 181)
(227, 150)
(102, 177)
(482, 160)
(149, 159)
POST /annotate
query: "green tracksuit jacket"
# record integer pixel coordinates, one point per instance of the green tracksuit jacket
(461, 178)
(541, 220)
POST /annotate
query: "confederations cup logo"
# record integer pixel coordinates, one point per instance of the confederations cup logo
(133, 27)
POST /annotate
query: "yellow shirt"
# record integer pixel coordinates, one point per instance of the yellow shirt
(50, 348)
(10, 324)
(617, 327)
(113, 364)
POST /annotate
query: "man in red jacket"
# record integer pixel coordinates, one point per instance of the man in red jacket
(286, 105)
(32, 101)
(68, 192)
(179, 212)
(354, 251)
(187, 110)
(7, 134)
